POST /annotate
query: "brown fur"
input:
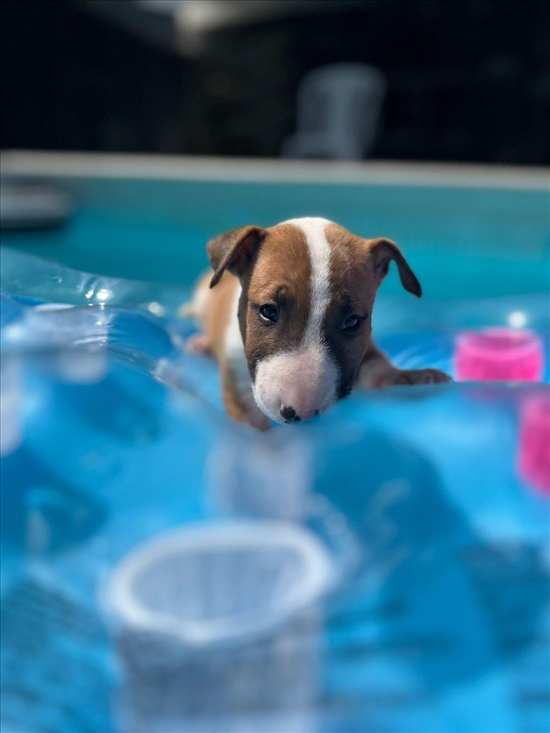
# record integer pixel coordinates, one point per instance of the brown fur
(354, 285)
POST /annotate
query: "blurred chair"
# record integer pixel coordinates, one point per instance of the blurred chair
(339, 109)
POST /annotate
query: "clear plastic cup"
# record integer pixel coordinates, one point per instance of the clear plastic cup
(278, 463)
(11, 405)
(217, 628)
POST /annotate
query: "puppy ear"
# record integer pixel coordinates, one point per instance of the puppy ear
(382, 251)
(233, 251)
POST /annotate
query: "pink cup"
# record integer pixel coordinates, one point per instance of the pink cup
(499, 354)
(534, 442)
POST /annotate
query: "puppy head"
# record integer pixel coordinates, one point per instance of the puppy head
(308, 289)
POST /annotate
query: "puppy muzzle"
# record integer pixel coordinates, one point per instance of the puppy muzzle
(295, 386)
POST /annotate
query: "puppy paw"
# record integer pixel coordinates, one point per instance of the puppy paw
(420, 376)
(198, 344)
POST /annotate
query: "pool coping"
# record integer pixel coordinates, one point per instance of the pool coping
(38, 164)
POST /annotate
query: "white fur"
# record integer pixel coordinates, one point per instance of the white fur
(319, 255)
(197, 308)
(201, 301)
(305, 378)
(234, 350)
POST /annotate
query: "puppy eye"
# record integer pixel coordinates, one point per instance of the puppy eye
(269, 313)
(351, 324)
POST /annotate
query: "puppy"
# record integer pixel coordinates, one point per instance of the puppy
(287, 315)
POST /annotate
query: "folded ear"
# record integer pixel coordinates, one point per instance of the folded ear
(233, 251)
(382, 252)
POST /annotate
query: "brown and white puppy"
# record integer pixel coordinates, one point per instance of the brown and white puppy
(287, 314)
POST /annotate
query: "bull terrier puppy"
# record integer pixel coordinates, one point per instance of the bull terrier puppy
(287, 315)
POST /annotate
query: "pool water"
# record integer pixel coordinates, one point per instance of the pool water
(461, 242)
(439, 613)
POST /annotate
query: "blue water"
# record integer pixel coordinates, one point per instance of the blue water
(448, 601)
(461, 242)
(440, 622)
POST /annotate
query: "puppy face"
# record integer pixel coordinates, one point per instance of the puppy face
(308, 289)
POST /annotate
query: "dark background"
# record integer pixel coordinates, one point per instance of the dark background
(468, 80)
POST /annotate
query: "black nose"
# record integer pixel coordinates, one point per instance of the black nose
(288, 414)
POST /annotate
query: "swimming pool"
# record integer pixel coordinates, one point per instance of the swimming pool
(436, 615)
(149, 219)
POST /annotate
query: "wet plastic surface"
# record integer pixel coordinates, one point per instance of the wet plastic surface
(425, 500)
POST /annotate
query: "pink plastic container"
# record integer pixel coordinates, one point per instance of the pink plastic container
(534, 443)
(499, 354)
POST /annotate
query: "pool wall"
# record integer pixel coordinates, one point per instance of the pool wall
(468, 231)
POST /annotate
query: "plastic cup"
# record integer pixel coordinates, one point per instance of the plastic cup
(217, 628)
(11, 401)
(534, 443)
(499, 354)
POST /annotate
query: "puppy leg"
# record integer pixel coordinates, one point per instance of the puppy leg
(377, 371)
(239, 406)
(198, 344)
(197, 310)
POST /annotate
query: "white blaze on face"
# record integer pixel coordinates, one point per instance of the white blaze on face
(306, 378)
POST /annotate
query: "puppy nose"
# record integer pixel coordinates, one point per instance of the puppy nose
(288, 414)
